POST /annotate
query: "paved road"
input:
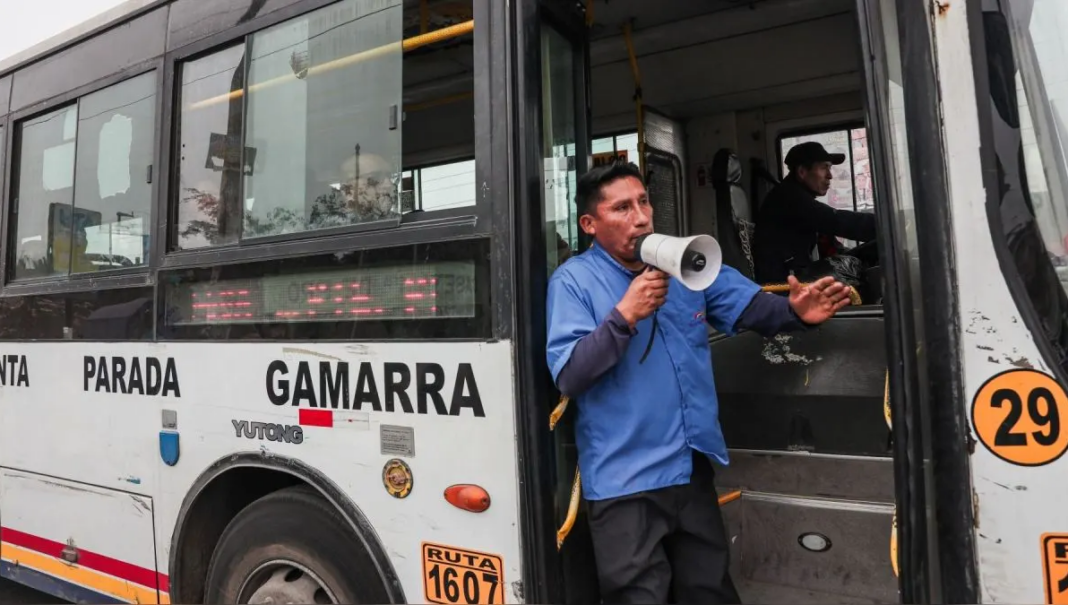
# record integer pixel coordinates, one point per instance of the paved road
(13, 593)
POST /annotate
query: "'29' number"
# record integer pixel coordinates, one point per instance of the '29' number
(449, 584)
(1017, 416)
(1041, 409)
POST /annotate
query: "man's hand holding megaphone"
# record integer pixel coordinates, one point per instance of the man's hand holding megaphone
(646, 294)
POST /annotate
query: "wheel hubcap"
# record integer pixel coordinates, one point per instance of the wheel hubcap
(284, 583)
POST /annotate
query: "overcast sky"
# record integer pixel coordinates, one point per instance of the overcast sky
(24, 23)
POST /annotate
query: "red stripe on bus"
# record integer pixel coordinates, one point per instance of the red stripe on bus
(88, 559)
(316, 418)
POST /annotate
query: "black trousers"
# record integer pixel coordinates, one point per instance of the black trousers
(664, 544)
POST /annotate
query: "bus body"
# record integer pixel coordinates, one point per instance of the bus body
(270, 333)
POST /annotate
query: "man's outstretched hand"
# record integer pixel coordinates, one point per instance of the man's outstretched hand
(818, 301)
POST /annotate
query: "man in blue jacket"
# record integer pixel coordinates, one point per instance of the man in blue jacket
(645, 430)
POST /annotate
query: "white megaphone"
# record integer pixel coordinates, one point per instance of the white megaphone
(694, 261)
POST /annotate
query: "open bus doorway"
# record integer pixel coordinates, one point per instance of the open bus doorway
(707, 98)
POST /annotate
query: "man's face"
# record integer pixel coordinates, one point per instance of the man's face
(620, 217)
(816, 177)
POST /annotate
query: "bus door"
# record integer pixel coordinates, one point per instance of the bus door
(552, 112)
(820, 475)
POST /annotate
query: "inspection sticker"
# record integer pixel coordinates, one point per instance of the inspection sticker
(457, 575)
(1055, 568)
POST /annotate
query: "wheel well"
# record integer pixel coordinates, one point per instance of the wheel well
(215, 506)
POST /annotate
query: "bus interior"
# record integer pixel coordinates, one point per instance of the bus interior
(727, 87)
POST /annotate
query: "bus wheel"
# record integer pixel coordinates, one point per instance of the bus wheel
(291, 546)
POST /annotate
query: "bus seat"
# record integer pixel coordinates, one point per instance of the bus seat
(733, 213)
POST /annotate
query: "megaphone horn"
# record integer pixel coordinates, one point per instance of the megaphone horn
(695, 261)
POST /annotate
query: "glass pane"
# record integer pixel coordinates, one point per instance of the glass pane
(447, 186)
(558, 126)
(119, 314)
(116, 134)
(326, 144)
(43, 219)
(1042, 98)
(209, 169)
(629, 143)
(840, 195)
(604, 145)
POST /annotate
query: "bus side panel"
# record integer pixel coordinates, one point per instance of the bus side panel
(95, 544)
(347, 410)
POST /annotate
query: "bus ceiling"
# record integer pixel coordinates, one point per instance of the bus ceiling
(688, 51)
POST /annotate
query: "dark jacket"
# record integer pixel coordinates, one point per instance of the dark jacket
(788, 224)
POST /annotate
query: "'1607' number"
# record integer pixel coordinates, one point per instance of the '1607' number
(450, 585)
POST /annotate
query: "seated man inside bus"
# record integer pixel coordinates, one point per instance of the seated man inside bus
(791, 220)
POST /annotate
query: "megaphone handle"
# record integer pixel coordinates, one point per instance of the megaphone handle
(652, 335)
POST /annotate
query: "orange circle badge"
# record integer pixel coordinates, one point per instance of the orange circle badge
(1020, 416)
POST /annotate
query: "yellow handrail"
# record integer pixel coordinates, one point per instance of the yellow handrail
(576, 485)
(406, 45)
(854, 297)
(638, 104)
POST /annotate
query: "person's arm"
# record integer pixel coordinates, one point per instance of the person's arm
(594, 355)
(579, 351)
(769, 314)
(727, 299)
(822, 218)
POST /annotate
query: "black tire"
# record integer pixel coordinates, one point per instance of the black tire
(294, 524)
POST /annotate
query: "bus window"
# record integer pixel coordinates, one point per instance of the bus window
(278, 138)
(1030, 111)
(851, 186)
(278, 135)
(92, 214)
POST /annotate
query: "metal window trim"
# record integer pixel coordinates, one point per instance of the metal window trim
(460, 229)
(242, 31)
(74, 95)
(91, 282)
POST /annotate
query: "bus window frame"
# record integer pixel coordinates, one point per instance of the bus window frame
(453, 223)
(1006, 263)
(78, 282)
(823, 128)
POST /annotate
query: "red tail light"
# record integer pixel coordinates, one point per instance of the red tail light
(468, 497)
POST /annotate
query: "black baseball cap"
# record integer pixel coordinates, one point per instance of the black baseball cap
(809, 152)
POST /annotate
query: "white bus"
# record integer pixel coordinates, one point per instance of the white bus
(273, 282)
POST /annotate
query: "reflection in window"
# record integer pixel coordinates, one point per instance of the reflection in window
(210, 159)
(326, 144)
(558, 148)
(43, 195)
(441, 187)
(113, 194)
(1029, 90)
(119, 314)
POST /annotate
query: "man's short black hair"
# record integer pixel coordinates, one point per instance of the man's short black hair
(591, 183)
